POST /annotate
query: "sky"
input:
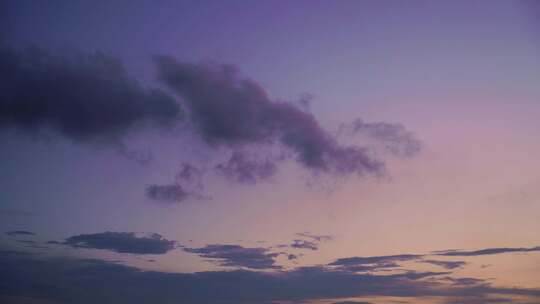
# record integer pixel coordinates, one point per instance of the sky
(319, 152)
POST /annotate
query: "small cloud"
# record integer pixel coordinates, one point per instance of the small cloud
(170, 193)
(316, 237)
(187, 185)
(302, 244)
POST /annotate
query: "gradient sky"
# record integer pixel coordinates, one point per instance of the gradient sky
(455, 82)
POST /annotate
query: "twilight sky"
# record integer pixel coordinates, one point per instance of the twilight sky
(330, 152)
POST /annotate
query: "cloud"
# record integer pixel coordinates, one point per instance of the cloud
(375, 259)
(486, 251)
(244, 168)
(302, 244)
(238, 256)
(316, 237)
(311, 244)
(188, 184)
(445, 264)
(373, 263)
(394, 137)
(464, 281)
(191, 175)
(171, 193)
(291, 257)
(60, 279)
(84, 97)
(122, 242)
(20, 232)
(90, 98)
(227, 110)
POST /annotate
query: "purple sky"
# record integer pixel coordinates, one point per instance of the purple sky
(270, 151)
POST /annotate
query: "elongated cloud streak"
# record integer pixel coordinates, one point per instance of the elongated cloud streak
(122, 242)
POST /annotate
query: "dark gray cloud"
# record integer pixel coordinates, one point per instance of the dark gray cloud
(122, 242)
(84, 97)
(486, 251)
(245, 168)
(445, 264)
(229, 111)
(20, 232)
(395, 137)
(94, 281)
(238, 256)
(303, 244)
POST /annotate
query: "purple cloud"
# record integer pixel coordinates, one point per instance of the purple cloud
(227, 110)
